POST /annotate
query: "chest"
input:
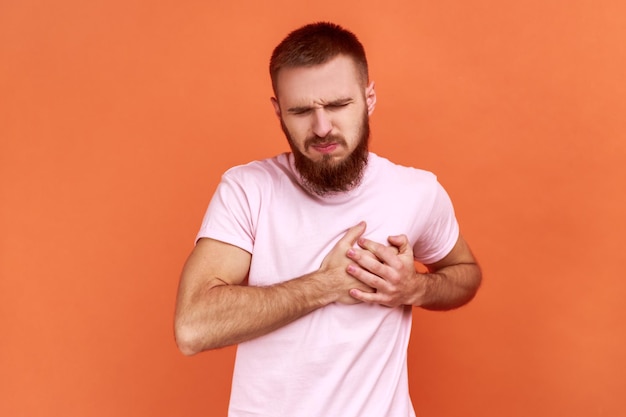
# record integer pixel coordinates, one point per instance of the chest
(294, 233)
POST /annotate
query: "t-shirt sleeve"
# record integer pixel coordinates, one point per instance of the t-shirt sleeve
(228, 217)
(441, 229)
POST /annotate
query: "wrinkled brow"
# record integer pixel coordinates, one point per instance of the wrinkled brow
(332, 103)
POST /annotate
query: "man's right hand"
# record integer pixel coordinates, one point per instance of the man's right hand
(214, 309)
(335, 264)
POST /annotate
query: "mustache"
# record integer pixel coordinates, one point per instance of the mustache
(317, 140)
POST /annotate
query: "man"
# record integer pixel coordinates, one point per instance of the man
(306, 260)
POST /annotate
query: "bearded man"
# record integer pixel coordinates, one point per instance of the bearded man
(306, 260)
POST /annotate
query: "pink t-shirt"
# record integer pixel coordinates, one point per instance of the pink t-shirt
(340, 360)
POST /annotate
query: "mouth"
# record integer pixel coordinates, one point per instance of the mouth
(325, 147)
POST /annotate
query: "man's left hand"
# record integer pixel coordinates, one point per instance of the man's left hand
(388, 269)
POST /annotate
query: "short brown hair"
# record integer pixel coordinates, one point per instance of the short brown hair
(316, 44)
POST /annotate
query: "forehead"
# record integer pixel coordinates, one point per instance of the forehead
(335, 79)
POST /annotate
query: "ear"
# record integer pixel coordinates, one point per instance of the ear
(276, 106)
(370, 98)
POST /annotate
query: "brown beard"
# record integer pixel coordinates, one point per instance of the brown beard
(326, 176)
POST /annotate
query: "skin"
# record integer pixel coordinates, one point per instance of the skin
(214, 306)
(452, 283)
(214, 309)
(325, 100)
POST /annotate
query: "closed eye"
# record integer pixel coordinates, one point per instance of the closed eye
(299, 111)
(332, 106)
(336, 106)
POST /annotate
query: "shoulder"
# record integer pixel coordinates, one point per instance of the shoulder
(392, 172)
(261, 172)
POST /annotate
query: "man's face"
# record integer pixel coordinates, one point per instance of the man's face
(324, 111)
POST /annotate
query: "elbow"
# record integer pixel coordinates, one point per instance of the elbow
(186, 349)
(187, 340)
(474, 285)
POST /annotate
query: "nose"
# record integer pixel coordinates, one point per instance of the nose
(321, 123)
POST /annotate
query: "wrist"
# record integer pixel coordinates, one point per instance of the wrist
(316, 289)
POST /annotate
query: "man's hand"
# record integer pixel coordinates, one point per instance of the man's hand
(452, 282)
(390, 270)
(334, 268)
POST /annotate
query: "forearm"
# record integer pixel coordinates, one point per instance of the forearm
(229, 314)
(449, 287)
(214, 310)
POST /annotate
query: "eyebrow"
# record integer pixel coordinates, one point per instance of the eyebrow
(337, 102)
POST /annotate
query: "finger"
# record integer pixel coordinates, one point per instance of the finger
(353, 234)
(370, 297)
(386, 254)
(356, 254)
(370, 272)
(401, 242)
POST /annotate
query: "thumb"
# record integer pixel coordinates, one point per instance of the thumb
(401, 242)
(353, 234)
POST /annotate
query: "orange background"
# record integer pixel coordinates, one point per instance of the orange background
(117, 119)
